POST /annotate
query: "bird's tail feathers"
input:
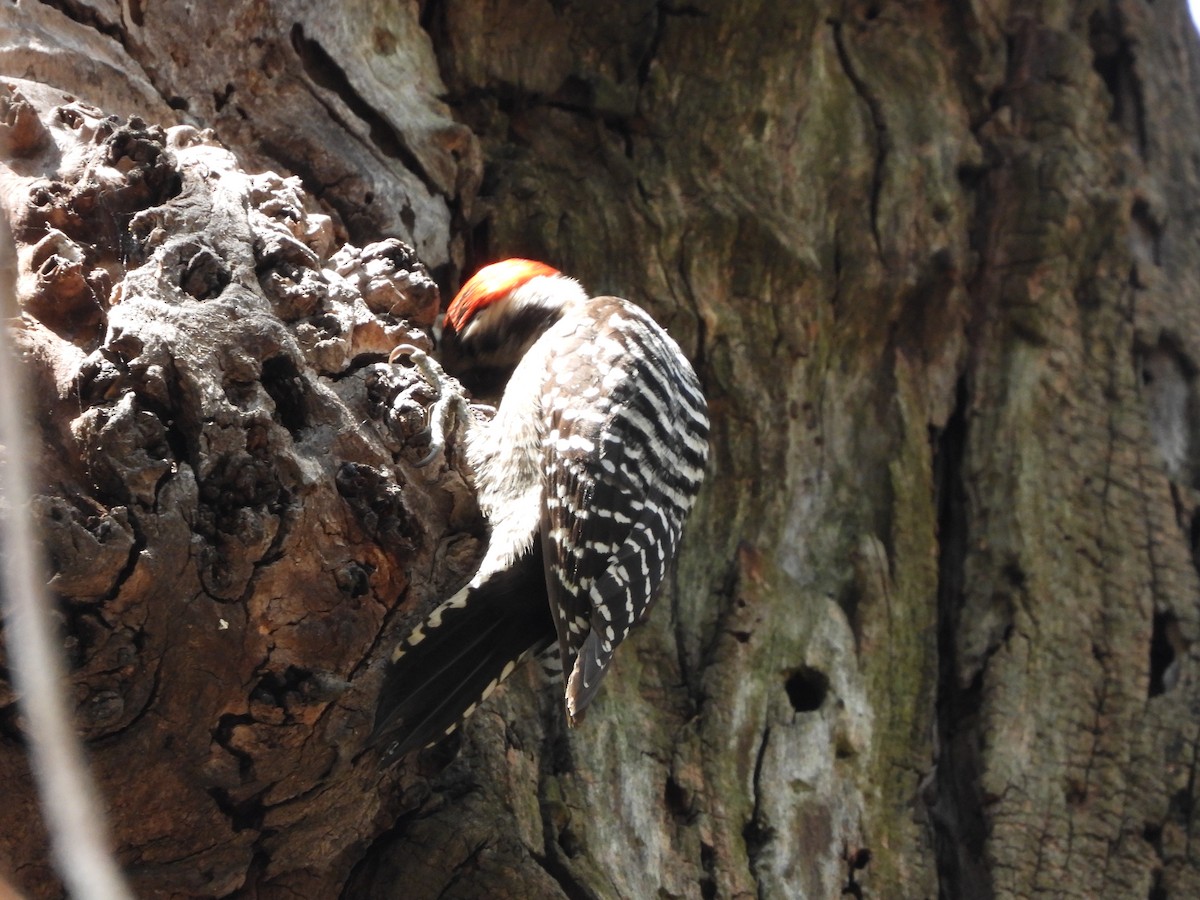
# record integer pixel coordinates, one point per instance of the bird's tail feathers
(459, 655)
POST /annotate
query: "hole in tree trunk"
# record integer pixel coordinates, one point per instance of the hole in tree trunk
(806, 689)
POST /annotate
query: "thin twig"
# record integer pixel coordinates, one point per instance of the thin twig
(78, 834)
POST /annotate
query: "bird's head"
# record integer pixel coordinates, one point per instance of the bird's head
(503, 309)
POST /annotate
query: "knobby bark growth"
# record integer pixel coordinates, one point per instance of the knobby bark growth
(932, 629)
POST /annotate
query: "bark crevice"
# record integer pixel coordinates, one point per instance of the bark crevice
(954, 797)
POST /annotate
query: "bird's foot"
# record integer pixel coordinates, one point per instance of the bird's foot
(449, 405)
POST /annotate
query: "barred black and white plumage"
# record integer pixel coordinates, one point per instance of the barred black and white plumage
(586, 474)
(625, 450)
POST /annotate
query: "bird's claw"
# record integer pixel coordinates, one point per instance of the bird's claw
(434, 451)
(450, 402)
(402, 350)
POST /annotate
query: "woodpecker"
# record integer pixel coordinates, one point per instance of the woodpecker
(585, 475)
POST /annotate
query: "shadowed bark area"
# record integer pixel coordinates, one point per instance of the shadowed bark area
(932, 628)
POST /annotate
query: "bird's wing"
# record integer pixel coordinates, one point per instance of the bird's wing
(623, 472)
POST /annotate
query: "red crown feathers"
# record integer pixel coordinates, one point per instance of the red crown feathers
(489, 284)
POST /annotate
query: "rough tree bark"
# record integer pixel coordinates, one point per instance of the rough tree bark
(933, 626)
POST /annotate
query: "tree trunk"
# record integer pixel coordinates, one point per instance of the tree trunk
(932, 627)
